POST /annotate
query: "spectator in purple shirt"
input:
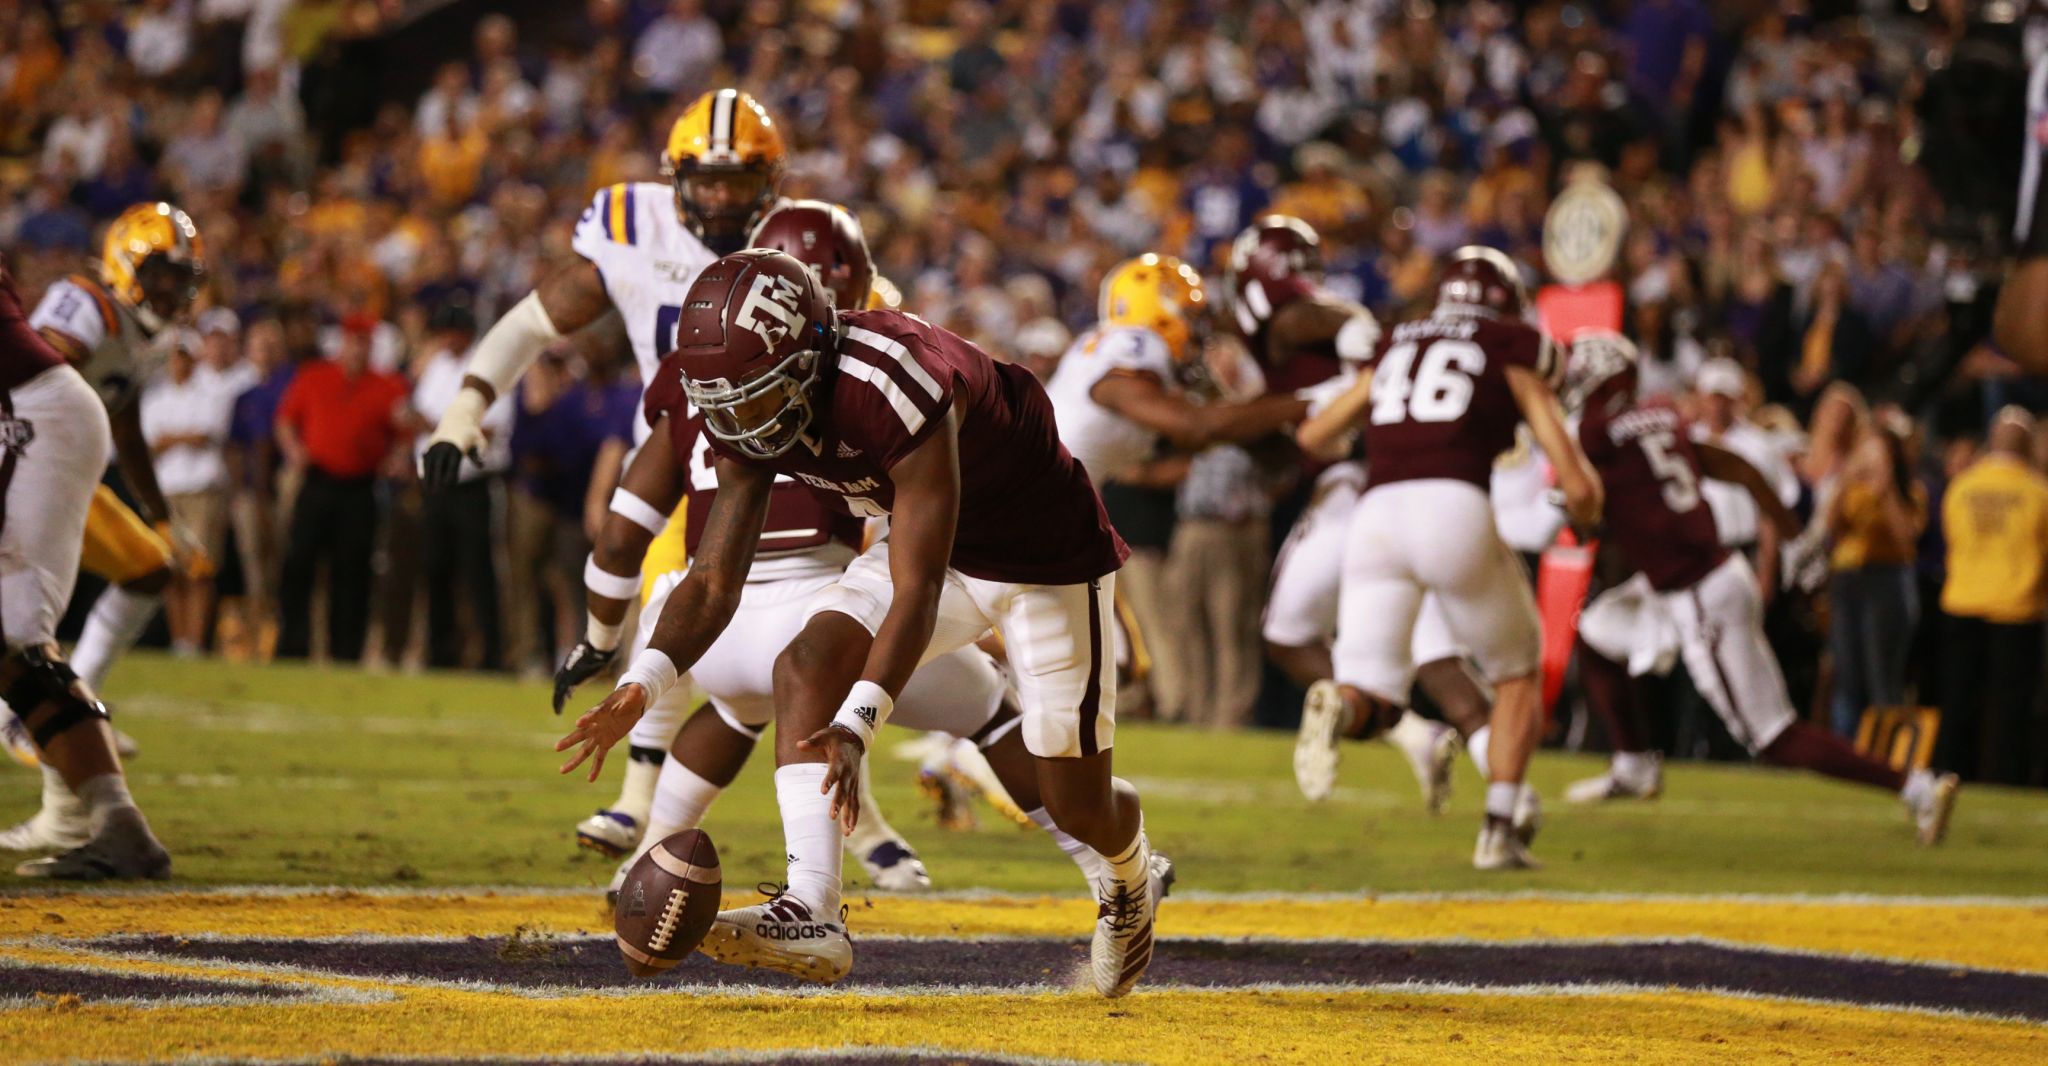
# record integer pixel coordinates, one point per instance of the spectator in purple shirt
(251, 455)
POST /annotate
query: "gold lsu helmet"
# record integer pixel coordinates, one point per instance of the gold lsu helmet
(725, 158)
(153, 261)
(1159, 293)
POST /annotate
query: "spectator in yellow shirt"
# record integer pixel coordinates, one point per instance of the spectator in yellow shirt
(1873, 604)
(1995, 517)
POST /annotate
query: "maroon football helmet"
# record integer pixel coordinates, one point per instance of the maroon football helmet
(753, 338)
(1479, 278)
(1600, 368)
(1275, 261)
(827, 238)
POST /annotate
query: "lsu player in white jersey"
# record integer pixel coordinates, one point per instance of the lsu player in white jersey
(639, 246)
(1117, 393)
(151, 267)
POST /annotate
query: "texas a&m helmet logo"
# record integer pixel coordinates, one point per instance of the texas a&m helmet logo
(770, 309)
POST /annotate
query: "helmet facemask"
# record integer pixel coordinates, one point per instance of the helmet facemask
(168, 287)
(719, 203)
(766, 414)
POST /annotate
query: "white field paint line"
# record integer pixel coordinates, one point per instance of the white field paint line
(539, 782)
(975, 895)
(278, 718)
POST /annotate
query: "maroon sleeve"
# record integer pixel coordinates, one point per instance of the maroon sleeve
(1523, 345)
(896, 382)
(665, 393)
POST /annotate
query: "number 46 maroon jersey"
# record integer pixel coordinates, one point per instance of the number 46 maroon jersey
(1441, 406)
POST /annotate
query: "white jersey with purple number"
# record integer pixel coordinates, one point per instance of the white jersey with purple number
(648, 260)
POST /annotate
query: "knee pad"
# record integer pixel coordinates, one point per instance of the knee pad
(42, 681)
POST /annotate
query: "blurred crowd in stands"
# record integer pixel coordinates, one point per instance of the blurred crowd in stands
(1792, 278)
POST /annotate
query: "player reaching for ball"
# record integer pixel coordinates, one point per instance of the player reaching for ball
(992, 525)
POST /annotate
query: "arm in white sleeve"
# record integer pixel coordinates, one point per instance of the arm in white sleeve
(501, 357)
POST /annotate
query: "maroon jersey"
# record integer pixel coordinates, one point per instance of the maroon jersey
(23, 352)
(796, 520)
(1028, 513)
(1654, 510)
(1441, 406)
(1299, 367)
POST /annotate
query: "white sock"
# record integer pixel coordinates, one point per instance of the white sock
(1410, 732)
(1084, 856)
(1501, 797)
(811, 836)
(58, 799)
(1131, 864)
(117, 620)
(104, 795)
(636, 792)
(681, 796)
(1475, 746)
(873, 830)
(1634, 767)
(1919, 784)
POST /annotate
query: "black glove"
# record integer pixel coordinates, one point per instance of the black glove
(583, 662)
(441, 467)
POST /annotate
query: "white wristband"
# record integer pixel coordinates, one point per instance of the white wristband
(601, 636)
(867, 706)
(602, 582)
(651, 670)
(638, 511)
(462, 421)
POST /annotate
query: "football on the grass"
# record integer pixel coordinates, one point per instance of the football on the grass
(667, 903)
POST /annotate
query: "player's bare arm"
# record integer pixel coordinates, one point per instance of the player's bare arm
(565, 301)
(648, 492)
(921, 524)
(697, 612)
(1575, 475)
(1192, 426)
(1324, 434)
(1721, 464)
(1305, 323)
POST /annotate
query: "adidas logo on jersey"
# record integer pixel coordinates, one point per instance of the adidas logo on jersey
(848, 451)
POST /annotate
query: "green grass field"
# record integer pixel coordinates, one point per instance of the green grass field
(305, 775)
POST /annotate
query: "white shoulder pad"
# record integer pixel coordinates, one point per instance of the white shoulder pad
(73, 310)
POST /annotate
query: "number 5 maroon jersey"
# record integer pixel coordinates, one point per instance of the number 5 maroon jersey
(1441, 406)
(1651, 471)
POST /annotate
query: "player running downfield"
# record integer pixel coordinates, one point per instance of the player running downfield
(1659, 521)
(1440, 399)
(639, 246)
(1314, 339)
(992, 525)
(55, 440)
(804, 547)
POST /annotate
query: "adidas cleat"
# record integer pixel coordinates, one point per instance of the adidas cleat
(893, 867)
(1932, 804)
(1528, 819)
(1315, 746)
(1122, 948)
(783, 936)
(609, 833)
(1163, 877)
(1616, 785)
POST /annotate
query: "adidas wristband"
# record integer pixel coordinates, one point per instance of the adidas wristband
(651, 670)
(867, 706)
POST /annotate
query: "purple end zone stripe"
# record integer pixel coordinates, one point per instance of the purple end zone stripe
(1091, 697)
(632, 227)
(95, 984)
(566, 964)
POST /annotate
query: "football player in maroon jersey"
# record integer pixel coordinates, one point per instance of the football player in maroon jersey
(54, 446)
(1663, 529)
(804, 548)
(1440, 399)
(992, 526)
(1309, 337)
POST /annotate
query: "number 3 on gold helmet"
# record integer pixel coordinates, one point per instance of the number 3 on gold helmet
(153, 261)
(1159, 293)
(725, 159)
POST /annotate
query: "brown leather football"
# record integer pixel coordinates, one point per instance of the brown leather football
(668, 903)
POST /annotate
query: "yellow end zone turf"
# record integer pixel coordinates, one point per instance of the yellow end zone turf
(1164, 1027)
(1982, 934)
